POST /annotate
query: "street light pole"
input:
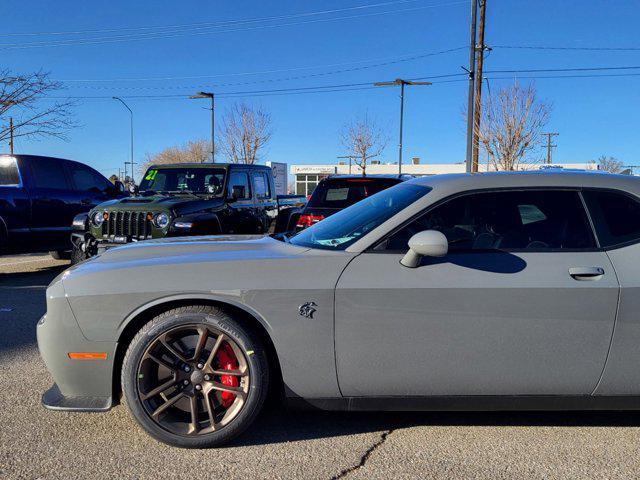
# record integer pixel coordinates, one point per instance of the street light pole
(131, 127)
(350, 157)
(213, 120)
(402, 83)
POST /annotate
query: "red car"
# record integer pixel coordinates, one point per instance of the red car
(341, 191)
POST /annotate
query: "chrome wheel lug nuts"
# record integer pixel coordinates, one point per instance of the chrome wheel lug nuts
(198, 387)
(200, 366)
(185, 382)
(186, 368)
(207, 377)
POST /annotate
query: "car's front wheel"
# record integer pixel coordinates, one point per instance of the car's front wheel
(194, 377)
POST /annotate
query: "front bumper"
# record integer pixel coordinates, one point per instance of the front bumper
(80, 384)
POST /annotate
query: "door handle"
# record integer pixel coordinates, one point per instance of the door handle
(586, 273)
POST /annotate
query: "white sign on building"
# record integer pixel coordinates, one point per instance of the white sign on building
(279, 176)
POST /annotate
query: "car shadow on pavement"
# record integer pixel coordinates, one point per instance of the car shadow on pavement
(279, 425)
(22, 303)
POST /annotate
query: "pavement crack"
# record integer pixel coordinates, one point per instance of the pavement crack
(365, 456)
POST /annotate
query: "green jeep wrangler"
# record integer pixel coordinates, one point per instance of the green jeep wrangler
(187, 199)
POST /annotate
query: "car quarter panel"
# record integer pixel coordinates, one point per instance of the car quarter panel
(622, 373)
(268, 278)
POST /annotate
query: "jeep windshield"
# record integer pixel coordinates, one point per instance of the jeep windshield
(199, 180)
(349, 225)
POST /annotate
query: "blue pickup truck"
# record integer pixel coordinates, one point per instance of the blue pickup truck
(40, 196)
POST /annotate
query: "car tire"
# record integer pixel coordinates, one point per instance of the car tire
(224, 330)
(60, 254)
(77, 255)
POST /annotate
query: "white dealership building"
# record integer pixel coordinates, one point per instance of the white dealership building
(307, 176)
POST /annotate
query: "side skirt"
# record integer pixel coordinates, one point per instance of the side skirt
(468, 403)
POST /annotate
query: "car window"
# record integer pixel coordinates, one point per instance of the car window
(522, 220)
(205, 180)
(349, 225)
(340, 193)
(9, 175)
(239, 179)
(616, 217)
(48, 173)
(261, 185)
(85, 178)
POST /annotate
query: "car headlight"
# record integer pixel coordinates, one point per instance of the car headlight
(97, 218)
(161, 220)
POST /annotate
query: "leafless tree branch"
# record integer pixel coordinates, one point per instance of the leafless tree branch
(22, 97)
(245, 132)
(363, 139)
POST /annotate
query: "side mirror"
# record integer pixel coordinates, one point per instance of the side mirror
(237, 191)
(429, 243)
(119, 186)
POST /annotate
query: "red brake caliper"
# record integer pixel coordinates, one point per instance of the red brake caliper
(227, 360)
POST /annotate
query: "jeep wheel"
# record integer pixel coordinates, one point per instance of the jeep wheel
(195, 378)
(77, 255)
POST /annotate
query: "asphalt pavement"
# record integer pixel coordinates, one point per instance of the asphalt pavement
(38, 444)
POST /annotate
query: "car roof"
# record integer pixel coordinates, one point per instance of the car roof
(400, 178)
(535, 178)
(240, 166)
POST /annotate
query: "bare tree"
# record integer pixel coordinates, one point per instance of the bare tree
(23, 99)
(195, 151)
(363, 139)
(245, 132)
(511, 124)
(609, 164)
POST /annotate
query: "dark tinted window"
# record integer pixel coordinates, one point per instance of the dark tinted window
(239, 179)
(340, 193)
(48, 173)
(616, 216)
(523, 220)
(9, 171)
(186, 179)
(85, 178)
(261, 185)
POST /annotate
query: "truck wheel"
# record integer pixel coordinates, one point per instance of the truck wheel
(60, 254)
(193, 377)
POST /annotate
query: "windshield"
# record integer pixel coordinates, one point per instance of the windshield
(347, 226)
(209, 181)
(341, 193)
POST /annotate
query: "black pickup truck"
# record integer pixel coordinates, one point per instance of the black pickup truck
(188, 199)
(40, 196)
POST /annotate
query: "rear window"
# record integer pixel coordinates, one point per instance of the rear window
(9, 175)
(616, 217)
(343, 193)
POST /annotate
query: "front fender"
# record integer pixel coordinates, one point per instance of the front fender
(207, 223)
(80, 222)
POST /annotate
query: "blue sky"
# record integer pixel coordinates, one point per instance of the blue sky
(594, 116)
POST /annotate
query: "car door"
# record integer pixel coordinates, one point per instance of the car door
(52, 203)
(266, 208)
(240, 209)
(15, 204)
(89, 187)
(523, 304)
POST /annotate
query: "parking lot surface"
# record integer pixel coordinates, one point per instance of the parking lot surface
(36, 443)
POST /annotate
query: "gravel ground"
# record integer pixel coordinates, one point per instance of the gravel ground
(36, 443)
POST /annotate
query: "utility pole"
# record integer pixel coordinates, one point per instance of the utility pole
(213, 120)
(549, 145)
(471, 72)
(480, 48)
(131, 129)
(350, 157)
(11, 135)
(402, 83)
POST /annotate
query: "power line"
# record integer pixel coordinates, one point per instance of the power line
(197, 31)
(589, 49)
(211, 24)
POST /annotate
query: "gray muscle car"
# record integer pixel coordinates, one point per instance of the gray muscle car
(453, 292)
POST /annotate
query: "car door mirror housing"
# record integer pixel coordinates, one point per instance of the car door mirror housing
(429, 243)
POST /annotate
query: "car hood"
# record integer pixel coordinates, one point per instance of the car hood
(182, 250)
(160, 202)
